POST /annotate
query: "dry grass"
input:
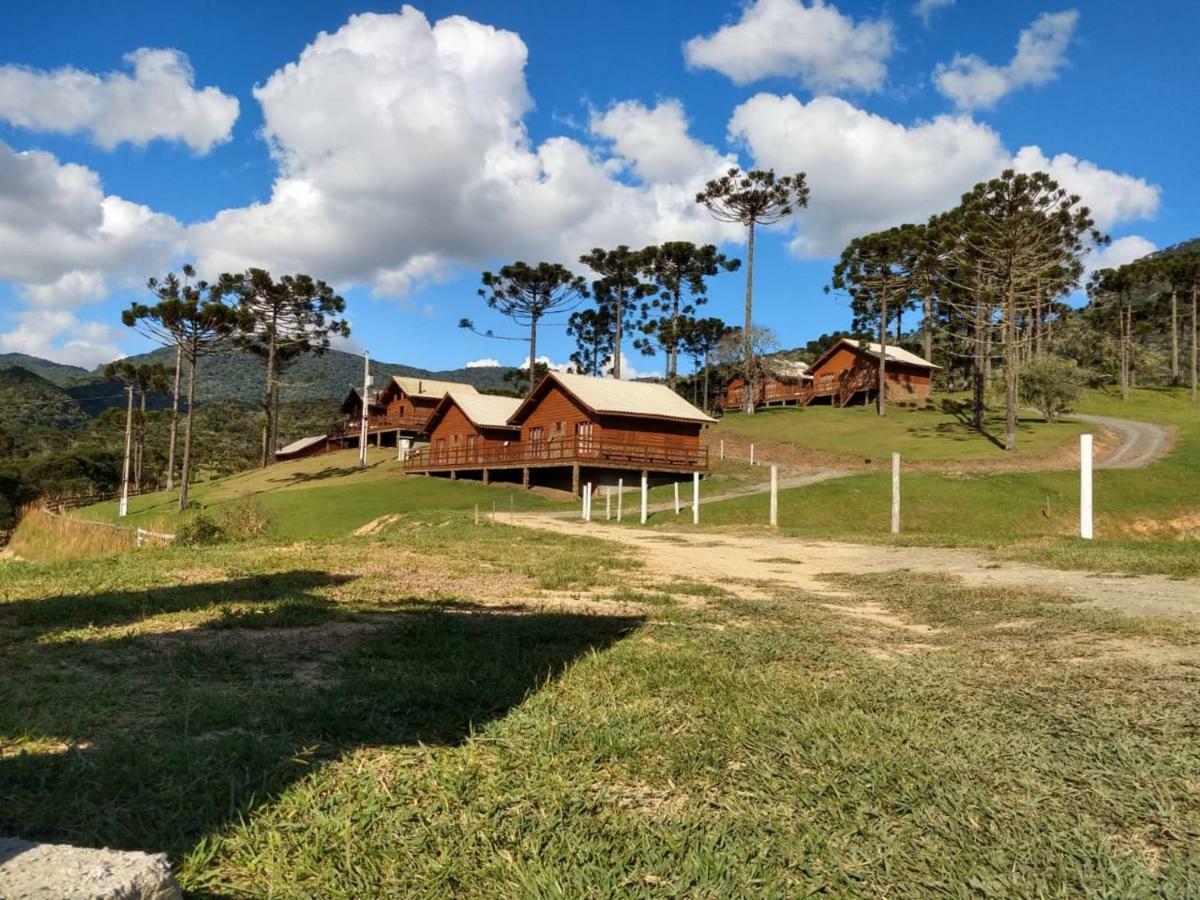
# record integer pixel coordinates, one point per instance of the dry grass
(41, 535)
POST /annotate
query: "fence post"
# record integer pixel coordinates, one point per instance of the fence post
(607, 502)
(477, 514)
(695, 498)
(589, 502)
(1085, 486)
(722, 448)
(676, 498)
(895, 493)
(620, 496)
(774, 496)
(645, 491)
(751, 454)
(138, 538)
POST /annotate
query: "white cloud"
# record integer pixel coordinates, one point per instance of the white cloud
(158, 102)
(403, 155)
(64, 241)
(813, 42)
(1121, 251)
(655, 142)
(629, 371)
(547, 361)
(868, 172)
(973, 83)
(925, 9)
(57, 334)
(486, 363)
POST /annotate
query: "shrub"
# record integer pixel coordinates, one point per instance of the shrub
(1051, 385)
(200, 530)
(246, 520)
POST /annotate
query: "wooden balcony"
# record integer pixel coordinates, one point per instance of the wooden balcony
(565, 452)
(352, 427)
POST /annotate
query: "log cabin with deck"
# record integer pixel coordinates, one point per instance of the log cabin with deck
(783, 383)
(398, 413)
(468, 430)
(576, 429)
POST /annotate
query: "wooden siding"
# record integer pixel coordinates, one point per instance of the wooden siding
(558, 414)
(454, 433)
(904, 381)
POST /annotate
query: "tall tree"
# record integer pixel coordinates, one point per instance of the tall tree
(751, 199)
(701, 339)
(527, 294)
(876, 270)
(618, 289)
(592, 329)
(192, 317)
(1023, 238)
(145, 379)
(679, 270)
(1112, 292)
(287, 319)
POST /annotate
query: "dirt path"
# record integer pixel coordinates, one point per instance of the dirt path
(1141, 442)
(779, 562)
(786, 480)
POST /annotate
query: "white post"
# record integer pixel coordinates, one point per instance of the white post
(676, 498)
(1085, 486)
(751, 454)
(695, 498)
(476, 513)
(895, 493)
(645, 491)
(722, 448)
(403, 445)
(607, 502)
(366, 403)
(774, 496)
(123, 508)
(620, 496)
(588, 504)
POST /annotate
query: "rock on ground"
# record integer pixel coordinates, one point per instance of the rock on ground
(30, 871)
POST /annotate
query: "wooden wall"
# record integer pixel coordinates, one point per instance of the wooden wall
(454, 428)
(557, 414)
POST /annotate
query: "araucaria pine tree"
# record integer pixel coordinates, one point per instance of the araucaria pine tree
(754, 198)
(191, 316)
(618, 290)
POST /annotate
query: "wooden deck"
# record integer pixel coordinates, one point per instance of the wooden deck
(565, 452)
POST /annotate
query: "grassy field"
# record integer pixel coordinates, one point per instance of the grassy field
(448, 710)
(1147, 519)
(942, 432)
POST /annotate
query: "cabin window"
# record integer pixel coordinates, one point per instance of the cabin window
(471, 449)
(537, 440)
(439, 449)
(583, 436)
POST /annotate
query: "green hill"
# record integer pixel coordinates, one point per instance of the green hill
(56, 373)
(28, 400)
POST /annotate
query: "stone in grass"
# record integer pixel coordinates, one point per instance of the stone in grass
(31, 871)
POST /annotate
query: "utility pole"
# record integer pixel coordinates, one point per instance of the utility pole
(124, 507)
(362, 438)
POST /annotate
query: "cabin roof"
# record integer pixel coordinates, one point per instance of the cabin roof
(430, 388)
(354, 400)
(303, 444)
(612, 396)
(871, 348)
(482, 410)
(787, 369)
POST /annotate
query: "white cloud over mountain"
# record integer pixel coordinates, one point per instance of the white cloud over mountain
(826, 50)
(159, 101)
(973, 83)
(925, 9)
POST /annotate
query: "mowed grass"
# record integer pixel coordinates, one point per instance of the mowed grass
(1146, 519)
(939, 433)
(326, 496)
(412, 714)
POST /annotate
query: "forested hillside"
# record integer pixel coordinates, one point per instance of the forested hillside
(28, 400)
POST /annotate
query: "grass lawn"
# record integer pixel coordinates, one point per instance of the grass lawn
(444, 710)
(941, 432)
(325, 496)
(1143, 515)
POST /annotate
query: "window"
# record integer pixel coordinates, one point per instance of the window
(439, 450)
(472, 452)
(537, 440)
(583, 437)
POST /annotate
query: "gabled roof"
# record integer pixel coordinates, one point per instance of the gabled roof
(871, 348)
(791, 369)
(428, 388)
(354, 401)
(302, 444)
(611, 396)
(481, 410)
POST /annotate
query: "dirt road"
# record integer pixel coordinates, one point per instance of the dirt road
(1141, 442)
(750, 563)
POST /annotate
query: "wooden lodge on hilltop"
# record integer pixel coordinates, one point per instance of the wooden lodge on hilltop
(398, 412)
(783, 382)
(573, 429)
(846, 373)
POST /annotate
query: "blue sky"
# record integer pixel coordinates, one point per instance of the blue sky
(412, 150)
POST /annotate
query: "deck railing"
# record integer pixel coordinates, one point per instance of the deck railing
(352, 427)
(564, 451)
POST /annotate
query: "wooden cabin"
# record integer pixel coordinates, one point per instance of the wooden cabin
(783, 383)
(575, 427)
(848, 372)
(468, 428)
(396, 414)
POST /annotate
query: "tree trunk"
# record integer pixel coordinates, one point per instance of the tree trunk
(618, 336)
(269, 393)
(747, 337)
(1126, 349)
(881, 399)
(899, 323)
(1010, 371)
(174, 418)
(186, 469)
(139, 468)
(978, 372)
(673, 352)
(532, 353)
(929, 329)
(1174, 336)
(707, 364)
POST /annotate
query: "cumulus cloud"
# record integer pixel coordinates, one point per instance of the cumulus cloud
(486, 363)
(159, 101)
(403, 154)
(868, 172)
(973, 83)
(813, 42)
(57, 334)
(655, 141)
(925, 9)
(1121, 251)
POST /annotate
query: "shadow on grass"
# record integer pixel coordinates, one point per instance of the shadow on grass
(961, 410)
(158, 741)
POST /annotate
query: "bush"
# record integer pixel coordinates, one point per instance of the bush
(246, 520)
(1051, 385)
(200, 530)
